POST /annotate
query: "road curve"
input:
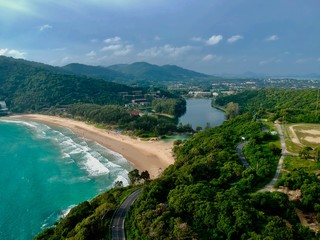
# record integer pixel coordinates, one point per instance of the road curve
(240, 154)
(118, 229)
(284, 152)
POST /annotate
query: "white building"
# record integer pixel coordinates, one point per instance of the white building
(3, 106)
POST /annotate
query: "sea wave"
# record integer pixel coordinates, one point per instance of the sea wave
(89, 156)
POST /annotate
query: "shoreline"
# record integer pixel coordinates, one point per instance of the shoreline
(153, 156)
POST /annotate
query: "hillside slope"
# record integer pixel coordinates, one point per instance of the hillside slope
(29, 86)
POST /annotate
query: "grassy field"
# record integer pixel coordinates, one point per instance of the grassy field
(299, 135)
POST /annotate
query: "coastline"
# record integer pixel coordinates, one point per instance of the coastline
(153, 156)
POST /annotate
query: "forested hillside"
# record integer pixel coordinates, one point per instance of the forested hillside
(27, 86)
(97, 72)
(139, 72)
(206, 194)
(293, 105)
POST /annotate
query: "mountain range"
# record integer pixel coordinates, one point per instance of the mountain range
(31, 86)
(136, 72)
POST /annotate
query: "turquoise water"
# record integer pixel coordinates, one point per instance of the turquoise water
(45, 171)
(199, 112)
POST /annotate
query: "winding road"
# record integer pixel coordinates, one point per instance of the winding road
(240, 154)
(118, 229)
(284, 152)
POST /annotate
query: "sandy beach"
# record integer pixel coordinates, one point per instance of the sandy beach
(153, 156)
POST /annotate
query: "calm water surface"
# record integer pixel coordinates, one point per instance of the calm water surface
(199, 113)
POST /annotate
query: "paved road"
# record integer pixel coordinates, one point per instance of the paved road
(284, 152)
(240, 154)
(118, 232)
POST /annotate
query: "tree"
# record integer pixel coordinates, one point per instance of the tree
(198, 129)
(232, 110)
(145, 175)
(118, 184)
(134, 176)
(305, 152)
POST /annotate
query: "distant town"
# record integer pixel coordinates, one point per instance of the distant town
(232, 86)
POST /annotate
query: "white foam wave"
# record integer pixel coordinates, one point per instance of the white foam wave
(122, 178)
(95, 160)
(65, 212)
(24, 123)
(94, 166)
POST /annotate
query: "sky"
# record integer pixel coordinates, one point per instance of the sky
(210, 36)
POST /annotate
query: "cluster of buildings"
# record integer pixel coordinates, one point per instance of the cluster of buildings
(136, 99)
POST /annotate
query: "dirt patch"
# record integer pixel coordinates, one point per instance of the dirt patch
(293, 135)
(308, 219)
(312, 139)
(311, 132)
(301, 136)
(294, 195)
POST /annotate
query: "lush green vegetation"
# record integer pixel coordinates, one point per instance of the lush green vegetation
(292, 105)
(34, 87)
(27, 86)
(208, 194)
(88, 220)
(171, 106)
(120, 117)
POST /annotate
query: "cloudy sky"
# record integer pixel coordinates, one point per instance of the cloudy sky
(210, 36)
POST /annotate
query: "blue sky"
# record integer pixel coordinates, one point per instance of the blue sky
(210, 36)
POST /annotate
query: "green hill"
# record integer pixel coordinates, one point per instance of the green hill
(30, 86)
(96, 72)
(206, 194)
(137, 72)
(293, 105)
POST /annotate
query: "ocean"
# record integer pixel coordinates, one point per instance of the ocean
(45, 171)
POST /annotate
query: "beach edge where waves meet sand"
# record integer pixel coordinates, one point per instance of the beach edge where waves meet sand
(153, 156)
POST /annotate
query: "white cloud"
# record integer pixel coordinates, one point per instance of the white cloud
(113, 40)
(234, 38)
(150, 52)
(166, 50)
(157, 38)
(208, 57)
(318, 59)
(112, 47)
(125, 50)
(91, 54)
(18, 6)
(211, 57)
(118, 49)
(197, 39)
(215, 39)
(117, 46)
(272, 38)
(44, 27)
(12, 53)
(3, 51)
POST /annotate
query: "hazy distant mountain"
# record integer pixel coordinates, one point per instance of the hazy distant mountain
(143, 70)
(96, 72)
(135, 72)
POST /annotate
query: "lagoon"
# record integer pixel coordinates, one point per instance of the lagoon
(200, 112)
